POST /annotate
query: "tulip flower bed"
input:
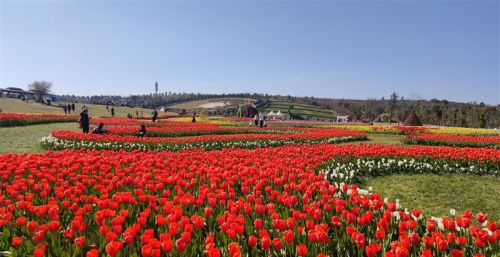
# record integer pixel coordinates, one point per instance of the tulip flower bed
(160, 116)
(134, 122)
(73, 140)
(410, 130)
(201, 129)
(466, 131)
(233, 202)
(394, 130)
(454, 140)
(21, 119)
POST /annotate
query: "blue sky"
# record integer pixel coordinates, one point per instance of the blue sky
(336, 49)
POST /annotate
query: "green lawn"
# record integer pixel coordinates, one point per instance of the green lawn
(384, 139)
(436, 194)
(25, 138)
(95, 110)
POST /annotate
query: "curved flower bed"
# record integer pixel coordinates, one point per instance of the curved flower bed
(160, 116)
(233, 202)
(466, 131)
(410, 130)
(137, 122)
(21, 119)
(204, 129)
(375, 129)
(73, 140)
(454, 140)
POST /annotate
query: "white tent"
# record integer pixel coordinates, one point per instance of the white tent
(271, 114)
(279, 113)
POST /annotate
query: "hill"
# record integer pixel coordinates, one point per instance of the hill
(433, 111)
(95, 110)
(215, 105)
(305, 111)
(229, 105)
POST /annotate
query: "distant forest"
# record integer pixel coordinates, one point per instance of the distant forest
(434, 111)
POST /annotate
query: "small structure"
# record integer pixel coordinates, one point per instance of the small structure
(15, 92)
(275, 115)
(413, 120)
(344, 118)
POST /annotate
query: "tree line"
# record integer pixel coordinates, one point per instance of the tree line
(394, 108)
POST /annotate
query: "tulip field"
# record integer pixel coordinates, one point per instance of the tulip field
(454, 140)
(205, 189)
(19, 119)
(173, 135)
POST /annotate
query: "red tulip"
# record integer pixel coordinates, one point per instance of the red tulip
(53, 226)
(167, 245)
(17, 241)
(456, 253)
(302, 250)
(252, 241)
(31, 226)
(265, 242)
(80, 241)
(180, 245)
(372, 249)
(431, 225)
(20, 221)
(426, 253)
(39, 251)
(92, 253)
(277, 243)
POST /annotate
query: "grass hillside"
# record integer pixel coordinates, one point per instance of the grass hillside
(219, 104)
(211, 104)
(304, 110)
(95, 110)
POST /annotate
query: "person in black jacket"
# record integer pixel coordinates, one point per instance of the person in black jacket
(84, 121)
(155, 115)
(142, 131)
(99, 129)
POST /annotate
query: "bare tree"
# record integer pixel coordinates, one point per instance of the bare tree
(392, 104)
(370, 109)
(40, 88)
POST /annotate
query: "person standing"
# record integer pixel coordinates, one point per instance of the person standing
(256, 120)
(155, 115)
(65, 109)
(73, 107)
(112, 111)
(261, 119)
(194, 117)
(84, 121)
